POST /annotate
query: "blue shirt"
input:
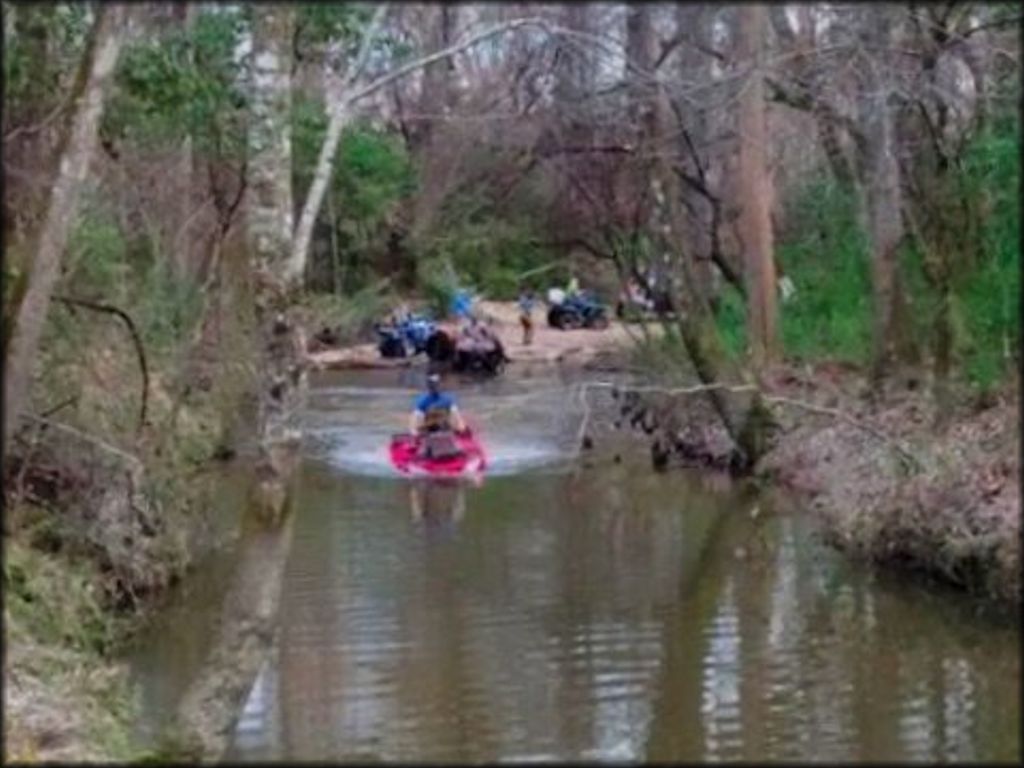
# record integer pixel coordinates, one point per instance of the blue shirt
(461, 304)
(431, 400)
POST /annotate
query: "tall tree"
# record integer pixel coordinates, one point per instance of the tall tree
(755, 224)
(270, 229)
(693, 28)
(879, 173)
(81, 133)
(743, 416)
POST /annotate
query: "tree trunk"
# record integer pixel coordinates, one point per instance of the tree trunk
(879, 174)
(182, 245)
(755, 225)
(742, 414)
(435, 166)
(436, 92)
(270, 214)
(695, 66)
(81, 137)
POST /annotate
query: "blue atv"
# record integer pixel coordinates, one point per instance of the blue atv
(409, 336)
(578, 311)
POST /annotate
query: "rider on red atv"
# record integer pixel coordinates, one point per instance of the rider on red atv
(434, 417)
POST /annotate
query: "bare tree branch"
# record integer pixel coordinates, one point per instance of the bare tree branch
(136, 340)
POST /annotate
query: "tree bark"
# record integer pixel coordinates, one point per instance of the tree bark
(270, 214)
(81, 138)
(755, 225)
(879, 173)
(693, 24)
(183, 243)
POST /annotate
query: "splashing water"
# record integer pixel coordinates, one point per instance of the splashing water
(350, 427)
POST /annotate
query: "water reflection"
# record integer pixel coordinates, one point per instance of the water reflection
(437, 504)
(601, 613)
(607, 615)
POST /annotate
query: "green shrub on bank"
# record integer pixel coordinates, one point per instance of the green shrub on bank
(826, 257)
(990, 294)
(489, 252)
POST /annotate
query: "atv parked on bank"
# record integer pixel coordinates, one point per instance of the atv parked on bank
(406, 338)
(578, 311)
(491, 361)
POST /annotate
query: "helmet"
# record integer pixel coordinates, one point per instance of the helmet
(433, 381)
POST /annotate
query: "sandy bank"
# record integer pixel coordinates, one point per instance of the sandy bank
(550, 345)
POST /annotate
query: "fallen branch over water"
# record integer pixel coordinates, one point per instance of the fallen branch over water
(902, 450)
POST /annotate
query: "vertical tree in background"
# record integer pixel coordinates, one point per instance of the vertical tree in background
(183, 242)
(79, 142)
(755, 192)
(879, 173)
(743, 416)
(270, 230)
(693, 27)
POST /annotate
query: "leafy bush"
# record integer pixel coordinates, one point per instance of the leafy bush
(97, 251)
(438, 282)
(489, 252)
(371, 175)
(185, 83)
(353, 315)
(731, 318)
(827, 260)
(989, 295)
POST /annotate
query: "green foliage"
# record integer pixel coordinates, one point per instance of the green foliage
(371, 175)
(167, 307)
(438, 282)
(990, 294)
(826, 258)
(488, 250)
(352, 315)
(96, 253)
(42, 52)
(731, 318)
(317, 24)
(371, 171)
(185, 83)
(56, 599)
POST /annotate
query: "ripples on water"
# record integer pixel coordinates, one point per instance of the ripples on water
(603, 613)
(521, 429)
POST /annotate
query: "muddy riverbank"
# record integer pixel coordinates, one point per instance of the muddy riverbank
(888, 485)
(941, 502)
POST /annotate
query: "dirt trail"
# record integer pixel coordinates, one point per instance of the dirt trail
(550, 345)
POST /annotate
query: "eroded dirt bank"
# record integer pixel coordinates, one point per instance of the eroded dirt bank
(945, 502)
(889, 486)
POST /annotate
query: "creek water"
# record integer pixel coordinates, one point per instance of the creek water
(578, 608)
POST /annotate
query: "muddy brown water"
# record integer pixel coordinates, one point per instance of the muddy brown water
(580, 609)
